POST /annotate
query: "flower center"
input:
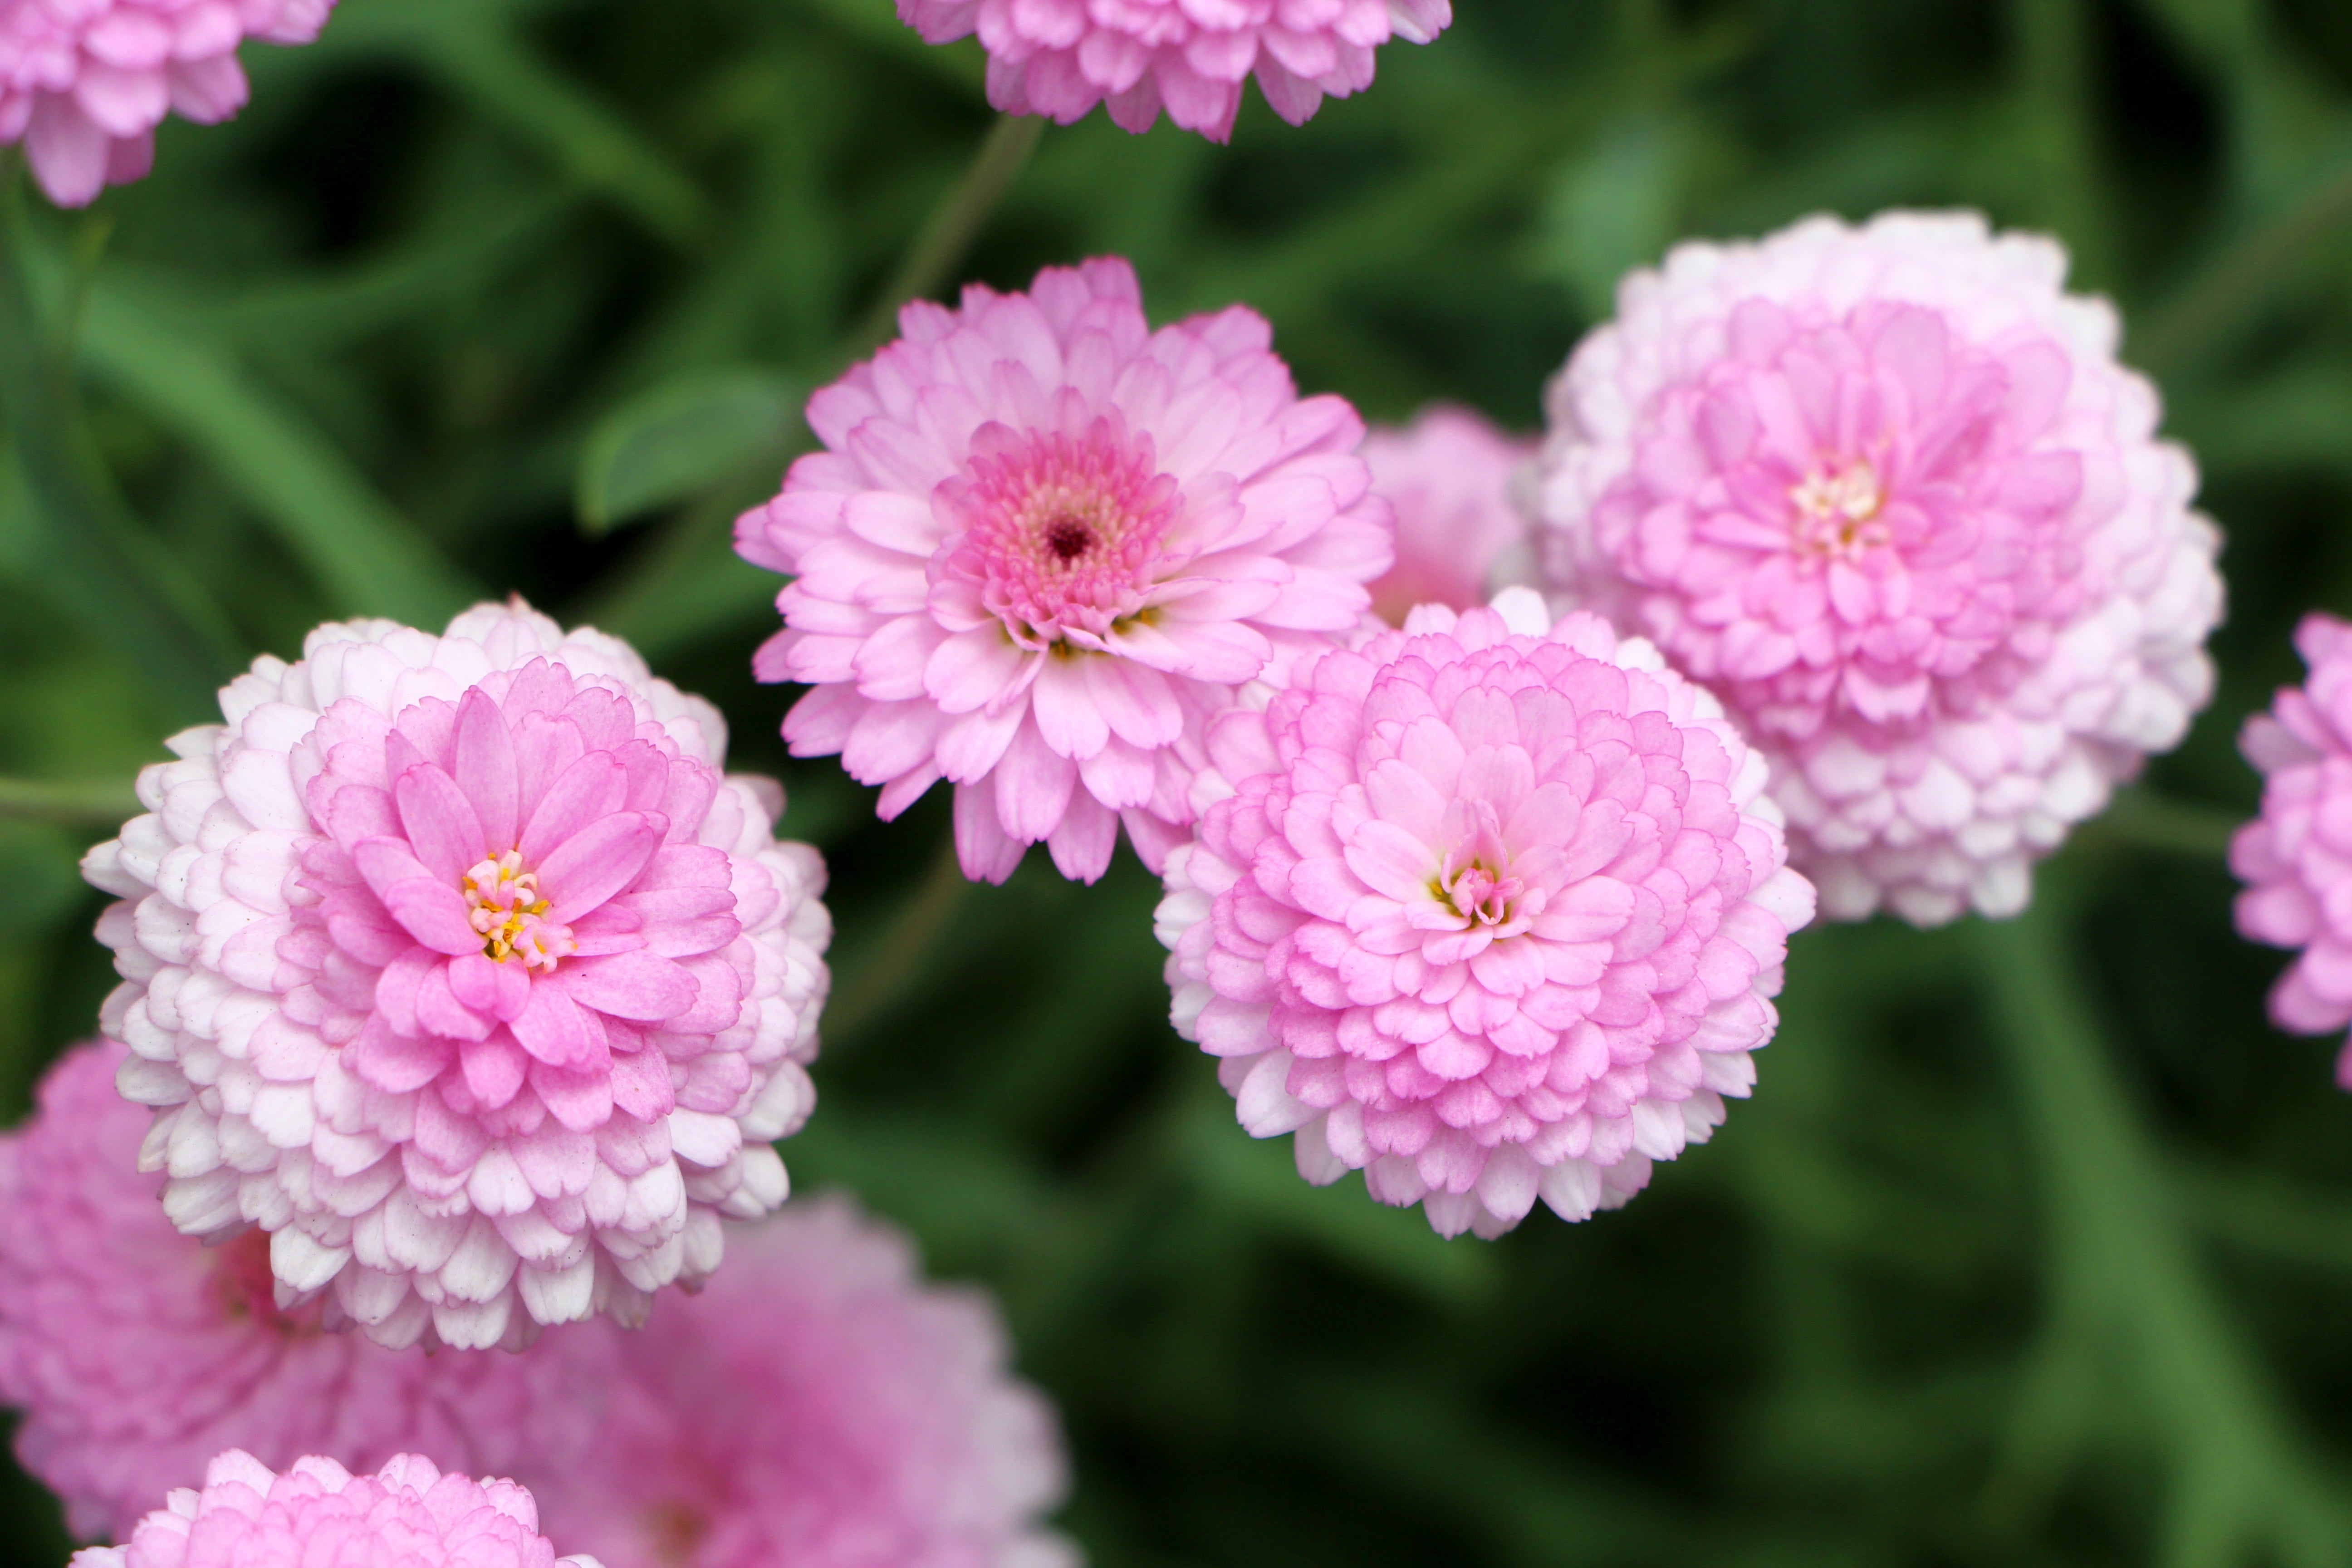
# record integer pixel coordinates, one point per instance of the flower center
(1478, 895)
(1062, 532)
(1837, 510)
(502, 902)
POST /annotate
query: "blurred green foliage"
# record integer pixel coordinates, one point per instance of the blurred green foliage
(2034, 1246)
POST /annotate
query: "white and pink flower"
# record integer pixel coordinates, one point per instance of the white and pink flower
(456, 964)
(1043, 543)
(1489, 909)
(1888, 493)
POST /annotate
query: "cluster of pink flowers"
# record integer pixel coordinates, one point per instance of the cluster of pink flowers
(84, 83)
(816, 1404)
(1888, 493)
(1060, 57)
(458, 965)
(465, 996)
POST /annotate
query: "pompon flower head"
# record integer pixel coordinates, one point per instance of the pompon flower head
(410, 1514)
(135, 1353)
(1887, 492)
(1043, 543)
(816, 1405)
(1489, 909)
(455, 964)
(1449, 475)
(2296, 856)
(84, 83)
(1060, 57)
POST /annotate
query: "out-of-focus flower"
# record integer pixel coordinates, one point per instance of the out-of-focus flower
(816, 1405)
(1448, 474)
(1887, 492)
(410, 1514)
(2296, 856)
(1060, 57)
(136, 1353)
(84, 83)
(1489, 909)
(1043, 544)
(455, 964)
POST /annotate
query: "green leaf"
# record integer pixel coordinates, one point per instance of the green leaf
(681, 438)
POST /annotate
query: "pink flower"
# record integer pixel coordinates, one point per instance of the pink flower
(818, 1405)
(1489, 910)
(1060, 57)
(455, 964)
(2295, 858)
(136, 1353)
(1887, 492)
(408, 1515)
(84, 83)
(1449, 476)
(1044, 542)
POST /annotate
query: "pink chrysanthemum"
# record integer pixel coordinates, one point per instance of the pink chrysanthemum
(410, 1514)
(1060, 57)
(1888, 493)
(136, 1353)
(84, 83)
(1043, 544)
(2296, 856)
(455, 964)
(818, 1405)
(1449, 476)
(1489, 909)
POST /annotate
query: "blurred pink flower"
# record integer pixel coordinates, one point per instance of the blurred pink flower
(2296, 856)
(455, 964)
(137, 1354)
(1044, 542)
(316, 1513)
(1060, 57)
(816, 1405)
(1449, 476)
(1888, 493)
(84, 83)
(1488, 908)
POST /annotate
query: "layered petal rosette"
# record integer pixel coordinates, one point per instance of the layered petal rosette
(456, 964)
(133, 1354)
(1044, 542)
(410, 1514)
(2295, 858)
(1191, 57)
(820, 1406)
(1887, 492)
(1488, 908)
(84, 83)
(1449, 475)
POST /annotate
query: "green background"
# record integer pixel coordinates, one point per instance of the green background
(2035, 1245)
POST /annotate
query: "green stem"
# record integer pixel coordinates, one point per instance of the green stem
(2127, 1271)
(2240, 284)
(2147, 820)
(71, 804)
(947, 237)
(121, 581)
(882, 977)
